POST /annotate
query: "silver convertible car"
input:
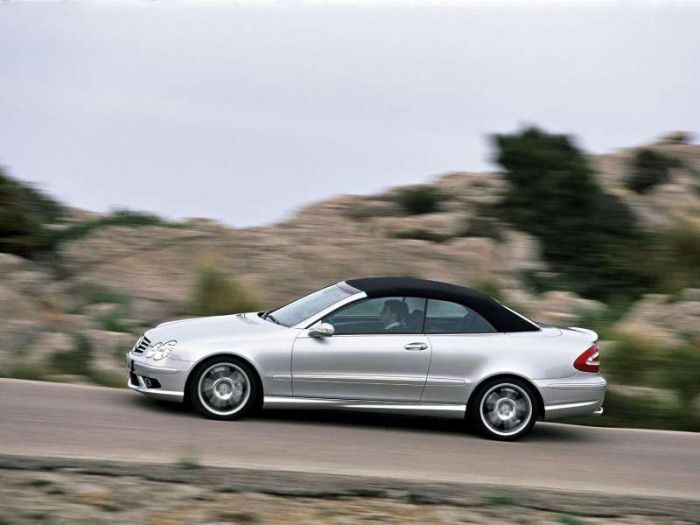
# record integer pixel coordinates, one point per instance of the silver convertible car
(386, 344)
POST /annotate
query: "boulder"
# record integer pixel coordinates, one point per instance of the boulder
(668, 322)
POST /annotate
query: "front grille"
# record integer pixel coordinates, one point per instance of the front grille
(141, 345)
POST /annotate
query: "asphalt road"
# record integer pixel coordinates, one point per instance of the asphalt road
(56, 420)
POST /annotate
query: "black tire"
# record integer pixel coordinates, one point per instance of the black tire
(236, 379)
(503, 401)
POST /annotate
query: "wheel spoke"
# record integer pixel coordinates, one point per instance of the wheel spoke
(224, 388)
(506, 409)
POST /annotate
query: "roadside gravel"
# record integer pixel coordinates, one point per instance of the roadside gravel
(47, 490)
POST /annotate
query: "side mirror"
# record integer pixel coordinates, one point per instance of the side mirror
(322, 330)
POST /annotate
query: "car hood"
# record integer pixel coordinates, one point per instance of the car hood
(246, 324)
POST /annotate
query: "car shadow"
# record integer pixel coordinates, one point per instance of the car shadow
(542, 433)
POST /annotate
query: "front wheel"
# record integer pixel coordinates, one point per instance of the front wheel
(224, 388)
(503, 409)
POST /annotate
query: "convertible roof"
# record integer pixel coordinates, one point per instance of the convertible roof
(500, 317)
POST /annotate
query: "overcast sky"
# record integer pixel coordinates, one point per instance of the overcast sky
(245, 113)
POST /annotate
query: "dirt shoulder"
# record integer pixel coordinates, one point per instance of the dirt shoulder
(78, 491)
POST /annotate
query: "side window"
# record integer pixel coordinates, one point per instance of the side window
(444, 317)
(382, 315)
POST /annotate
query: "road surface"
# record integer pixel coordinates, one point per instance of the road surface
(73, 421)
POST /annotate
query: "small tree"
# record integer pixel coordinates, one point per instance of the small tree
(214, 294)
(24, 214)
(649, 168)
(587, 235)
(420, 199)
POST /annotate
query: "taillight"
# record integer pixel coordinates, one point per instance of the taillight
(589, 361)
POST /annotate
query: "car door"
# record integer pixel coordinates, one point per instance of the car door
(365, 358)
(463, 344)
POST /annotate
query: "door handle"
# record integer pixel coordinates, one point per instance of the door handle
(416, 346)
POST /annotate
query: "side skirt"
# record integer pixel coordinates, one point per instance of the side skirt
(361, 405)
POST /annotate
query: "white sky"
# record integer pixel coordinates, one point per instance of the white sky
(244, 113)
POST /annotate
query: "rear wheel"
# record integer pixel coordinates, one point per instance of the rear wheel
(224, 388)
(503, 409)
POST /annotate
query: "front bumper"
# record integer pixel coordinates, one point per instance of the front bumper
(160, 381)
(578, 395)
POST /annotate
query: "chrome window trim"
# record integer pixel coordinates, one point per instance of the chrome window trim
(539, 328)
(307, 323)
(357, 297)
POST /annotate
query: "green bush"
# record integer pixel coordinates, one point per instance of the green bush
(602, 321)
(417, 200)
(105, 295)
(488, 285)
(641, 411)
(481, 226)
(630, 360)
(113, 322)
(648, 168)
(133, 219)
(24, 215)
(679, 371)
(76, 361)
(682, 268)
(588, 236)
(214, 294)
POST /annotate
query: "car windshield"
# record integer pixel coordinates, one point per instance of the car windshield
(309, 305)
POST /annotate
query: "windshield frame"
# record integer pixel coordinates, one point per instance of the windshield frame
(355, 294)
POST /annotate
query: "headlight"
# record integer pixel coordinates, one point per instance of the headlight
(162, 350)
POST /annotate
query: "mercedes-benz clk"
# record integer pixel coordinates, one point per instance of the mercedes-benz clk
(386, 344)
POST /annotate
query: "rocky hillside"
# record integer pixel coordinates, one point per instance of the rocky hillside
(112, 281)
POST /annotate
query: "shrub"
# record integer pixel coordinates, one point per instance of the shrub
(214, 294)
(587, 235)
(129, 218)
(417, 200)
(488, 285)
(680, 371)
(603, 320)
(76, 361)
(678, 138)
(113, 322)
(24, 214)
(93, 294)
(640, 411)
(684, 244)
(110, 379)
(629, 359)
(649, 168)
(481, 226)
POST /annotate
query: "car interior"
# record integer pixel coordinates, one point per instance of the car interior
(364, 317)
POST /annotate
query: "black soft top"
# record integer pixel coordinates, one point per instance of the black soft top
(500, 317)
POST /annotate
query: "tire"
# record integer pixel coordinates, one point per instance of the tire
(225, 388)
(503, 409)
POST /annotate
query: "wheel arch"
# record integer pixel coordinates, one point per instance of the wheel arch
(506, 376)
(203, 361)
